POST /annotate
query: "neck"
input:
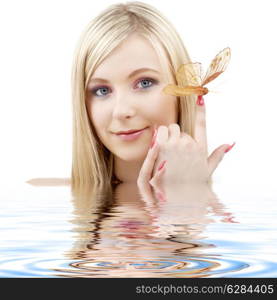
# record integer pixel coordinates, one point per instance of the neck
(126, 171)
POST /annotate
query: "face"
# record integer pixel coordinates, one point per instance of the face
(125, 94)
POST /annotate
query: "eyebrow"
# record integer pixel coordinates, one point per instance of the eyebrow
(132, 74)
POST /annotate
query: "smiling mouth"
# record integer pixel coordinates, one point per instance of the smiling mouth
(131, 135)
(131, 131)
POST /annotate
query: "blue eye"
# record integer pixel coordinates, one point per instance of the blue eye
(145, 83)
(100, 92)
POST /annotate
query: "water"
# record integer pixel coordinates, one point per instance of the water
(48, 232)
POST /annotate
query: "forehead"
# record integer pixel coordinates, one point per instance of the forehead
(134, 53)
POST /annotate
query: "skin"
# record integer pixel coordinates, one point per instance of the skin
(119, 100)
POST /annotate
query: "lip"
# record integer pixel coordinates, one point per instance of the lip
(130, 135)
(128, 131)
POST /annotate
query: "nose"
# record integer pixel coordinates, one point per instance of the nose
(124, 107)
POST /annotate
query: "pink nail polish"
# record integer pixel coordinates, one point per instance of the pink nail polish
(161, 196)
(161, 166)
(230, 147)
(153, 139)
(200, 100)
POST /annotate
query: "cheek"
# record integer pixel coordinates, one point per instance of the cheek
(98, 116)
(164, 109)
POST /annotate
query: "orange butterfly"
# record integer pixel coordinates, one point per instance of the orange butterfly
(189, 76)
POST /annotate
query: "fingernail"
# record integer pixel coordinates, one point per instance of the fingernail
(200, 100)
(153, 139)
(161, 166)
(161, 196)
(230, 147)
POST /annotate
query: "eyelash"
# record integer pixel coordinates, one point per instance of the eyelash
(153, 82)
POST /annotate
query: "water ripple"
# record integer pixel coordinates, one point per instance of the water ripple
(127, 242)
(163, 267)
(181, 266)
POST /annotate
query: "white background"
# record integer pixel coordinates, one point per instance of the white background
(37, 43)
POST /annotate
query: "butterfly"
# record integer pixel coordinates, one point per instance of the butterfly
(189, 76)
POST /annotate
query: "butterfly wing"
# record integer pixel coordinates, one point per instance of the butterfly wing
(176, 90)
(189, 80)
(189, 75)
(217, 66)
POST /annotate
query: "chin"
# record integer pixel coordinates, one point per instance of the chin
(132, 155)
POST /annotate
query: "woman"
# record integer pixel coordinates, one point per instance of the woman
(125, 129)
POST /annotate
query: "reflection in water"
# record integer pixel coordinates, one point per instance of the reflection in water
(126, 232)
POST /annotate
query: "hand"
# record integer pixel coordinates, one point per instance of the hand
(182, 204)
(178, 158)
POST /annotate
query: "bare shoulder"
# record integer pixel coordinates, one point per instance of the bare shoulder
(49, 181)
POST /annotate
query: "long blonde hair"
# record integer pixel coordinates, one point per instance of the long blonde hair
(92, 163)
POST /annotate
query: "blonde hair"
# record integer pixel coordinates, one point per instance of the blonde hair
(92, 163)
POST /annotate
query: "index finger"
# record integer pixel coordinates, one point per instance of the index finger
(146, 170)
(200, 133)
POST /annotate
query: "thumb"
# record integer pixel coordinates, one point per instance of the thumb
(215, 158)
